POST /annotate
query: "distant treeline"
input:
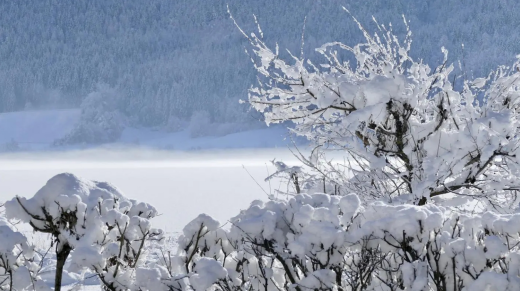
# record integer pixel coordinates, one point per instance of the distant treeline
(176, 57)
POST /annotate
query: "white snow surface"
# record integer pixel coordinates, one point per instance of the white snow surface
(181, 185)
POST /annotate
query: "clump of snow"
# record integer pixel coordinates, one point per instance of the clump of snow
(208, 272)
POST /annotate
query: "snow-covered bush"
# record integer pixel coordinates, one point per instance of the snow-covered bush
(407, 131)
(92, 222)
(328, 242)
(17, 268)
(100, 121)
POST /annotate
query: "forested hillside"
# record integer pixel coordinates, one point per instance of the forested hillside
(175, 57)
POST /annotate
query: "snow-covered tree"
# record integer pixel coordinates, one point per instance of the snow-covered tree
(92, 222)
(408, 131)
(101, 120)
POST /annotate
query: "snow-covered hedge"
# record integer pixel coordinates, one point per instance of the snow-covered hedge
(307, 242)
(324, 242)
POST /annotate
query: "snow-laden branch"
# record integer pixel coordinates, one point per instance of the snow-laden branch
(406, 129)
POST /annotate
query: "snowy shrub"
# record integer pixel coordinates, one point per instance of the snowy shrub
(407, 132)
(325, 242)
(18, 271)
(100, 122)
(92, 222)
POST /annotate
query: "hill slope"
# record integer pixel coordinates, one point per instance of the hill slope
(38, 130)
(179, 57)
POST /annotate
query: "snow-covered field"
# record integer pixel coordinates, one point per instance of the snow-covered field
(180, 175)
(36, 129)
(180, 184)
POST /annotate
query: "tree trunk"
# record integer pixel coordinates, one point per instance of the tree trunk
(61, 258)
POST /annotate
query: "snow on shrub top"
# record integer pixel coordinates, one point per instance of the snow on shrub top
(101, 229)
(11, 238)
(93, 205)
(324, 242)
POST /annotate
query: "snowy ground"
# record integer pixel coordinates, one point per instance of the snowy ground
(36, 129)
(183, 179)
(182, 176)
(180, 184)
